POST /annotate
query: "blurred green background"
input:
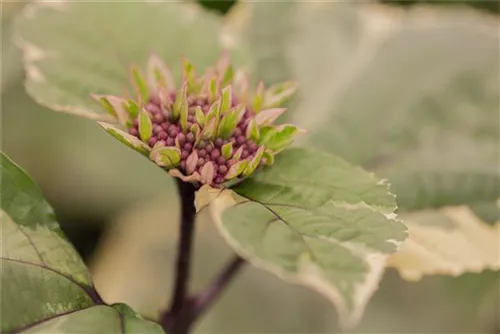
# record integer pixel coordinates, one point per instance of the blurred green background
(488, 6)
(106, 199)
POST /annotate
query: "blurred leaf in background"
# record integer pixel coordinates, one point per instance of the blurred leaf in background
(492, 6)
(388, 92)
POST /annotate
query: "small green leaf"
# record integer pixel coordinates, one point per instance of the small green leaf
(105, 104)
(258, 98)
(252, 132)
(127, 139)
(224, 69)
(254, 163)
(227, 150)
(145, 125)
(184, 115)
(237, 154)
(200, 116)
(214, 114)
(189, 76)
(115, 106)
(268, 116)
(169, 157)
(226, 100)
(280, 137)
(195, 130)
(278, 94)
(140, 84)
(230, 121)
(159, 75)
(236, 169)
(208, 131)
(180, 102)
(268, 156)
(132, 108)
(213, 90)
(214, 111)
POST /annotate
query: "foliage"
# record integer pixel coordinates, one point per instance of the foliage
(386, 93)
(492, 6)
(46, 285)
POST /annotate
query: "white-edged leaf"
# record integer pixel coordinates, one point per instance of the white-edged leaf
(75, 49)
(434, 136)
(129, 140)
(315, 220)
(449, 241)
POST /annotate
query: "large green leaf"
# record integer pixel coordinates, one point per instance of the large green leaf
(75, 48)
(316, 220)
(30, 232)
(412, 95)
(45, 283)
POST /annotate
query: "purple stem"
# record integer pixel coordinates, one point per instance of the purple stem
(201, 302)
(177, 319)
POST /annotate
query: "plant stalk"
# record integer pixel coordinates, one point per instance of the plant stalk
(201, 302)
(184, 310)
(177, 319)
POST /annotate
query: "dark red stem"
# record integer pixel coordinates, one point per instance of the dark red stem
(184, 310)
(177, 319)
(201, 302)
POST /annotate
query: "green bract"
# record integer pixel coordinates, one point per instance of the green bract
(208, 130)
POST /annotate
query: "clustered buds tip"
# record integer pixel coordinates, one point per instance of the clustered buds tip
(210, 129)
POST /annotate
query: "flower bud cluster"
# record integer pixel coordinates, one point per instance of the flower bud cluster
(210, 130)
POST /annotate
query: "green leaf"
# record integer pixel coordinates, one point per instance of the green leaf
(226, 100)
(145, 125)
(200, 116)
(230, 121)
(129, 140)
(238, 168)
(73, 49)
(279, 137)
(139, 83)
(168, 157)
(254, 163)
(390, 93)
(227, 150)
(46, 285)
(268, 116)
(97, 319)
(180, 106)
(159, 74)
(30, 221)
(252, 132)
(315, 220)
(278, 94)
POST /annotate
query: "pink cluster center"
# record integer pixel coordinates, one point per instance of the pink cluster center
(167, 131)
